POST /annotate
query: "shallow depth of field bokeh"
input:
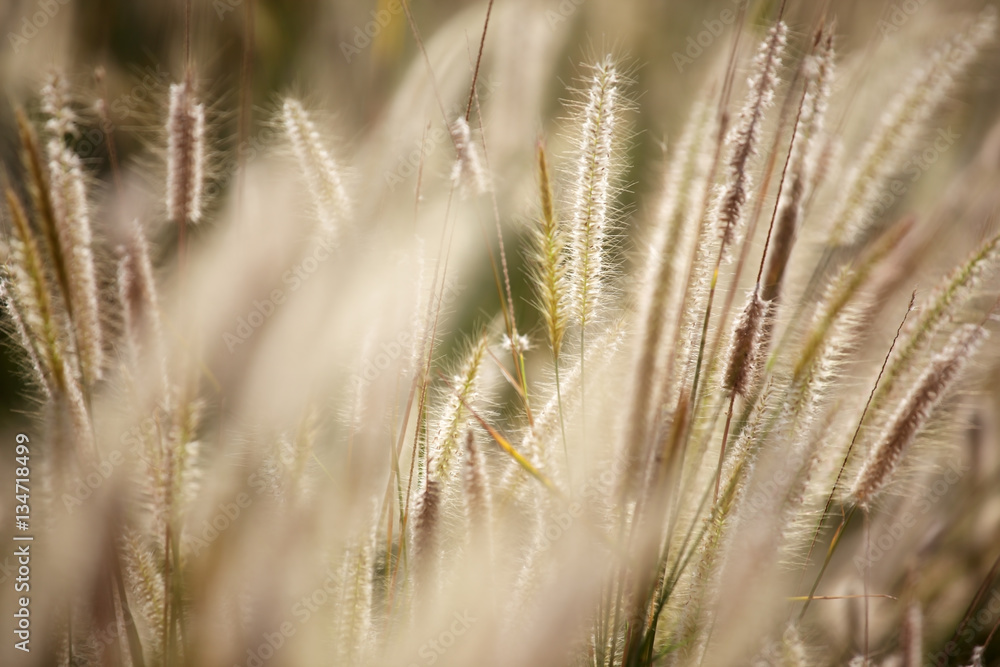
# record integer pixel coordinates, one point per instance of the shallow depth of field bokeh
(601, 333)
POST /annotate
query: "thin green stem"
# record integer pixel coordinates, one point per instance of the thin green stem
(826, 561)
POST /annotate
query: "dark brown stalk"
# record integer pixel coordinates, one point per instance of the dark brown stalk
(479, 60)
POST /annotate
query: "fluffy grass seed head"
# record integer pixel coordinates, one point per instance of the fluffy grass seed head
(977, 656)
(550, 269)
(138, 291)
(12, 286)
(462, 392)
(56, 105)
(900, 127)
(185, 154)
(21, 332)
(913, 414)
(467, 172)
(594, 180)
(34, 302)
(745, 348)
(426, 518)
(322, 173)
(745, 135)
(47, 335)
(72, 217)
(939, 309)
(354, 609)
(803, 164)
(476, 484)
(139, 300)
(145, 580)
(63, 204)
(821, 71)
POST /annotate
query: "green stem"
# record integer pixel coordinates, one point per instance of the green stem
(826, 561)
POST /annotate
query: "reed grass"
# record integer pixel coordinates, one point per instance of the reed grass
(368, 480)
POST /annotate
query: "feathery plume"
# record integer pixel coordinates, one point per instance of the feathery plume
(912, 415)
(139, 299)
(72, 218)
(462, 392)
(676, 221)
(901, 125)
(476, 483)
(304, 446)
(145, 281)
(46, 328)
(185, 154)
(745, 135)
(425, 525)
(592, 189)
(467, 171)
(841, 292)
(125, 277)
(549, 271)
(663, 280)
(41, 199)
(355, 603)
(56, 105)
(942, 305)
(11, 306)
(745, 351)
(821, 70)
(745, 347)
(146, 584)
(322, 174)
(34, 300)
(65, 213)
(803, 162)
